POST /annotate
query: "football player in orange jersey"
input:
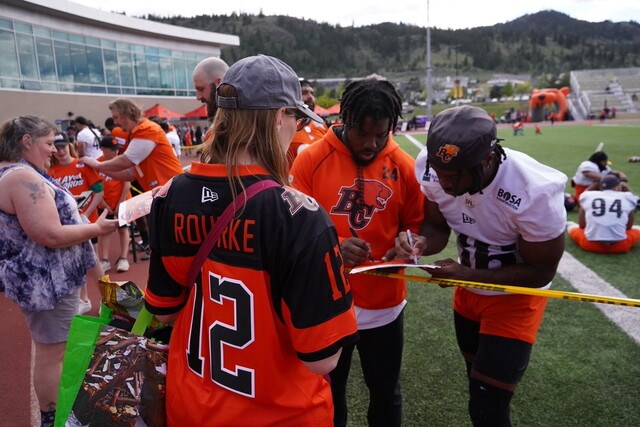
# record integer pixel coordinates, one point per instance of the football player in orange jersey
(362, 177)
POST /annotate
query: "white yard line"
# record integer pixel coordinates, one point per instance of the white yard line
(414, 141)
(588, 282)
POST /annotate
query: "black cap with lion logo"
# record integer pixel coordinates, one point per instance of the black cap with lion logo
(460, 137)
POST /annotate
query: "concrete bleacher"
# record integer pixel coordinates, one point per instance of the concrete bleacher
(594, 90)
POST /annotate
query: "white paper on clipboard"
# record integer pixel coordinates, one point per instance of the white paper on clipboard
(134, 208)
(389, 264)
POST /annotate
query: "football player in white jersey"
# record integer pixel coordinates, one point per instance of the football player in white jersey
(507, 212)
(606, 219)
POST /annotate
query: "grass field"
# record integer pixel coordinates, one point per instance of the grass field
(584, 371)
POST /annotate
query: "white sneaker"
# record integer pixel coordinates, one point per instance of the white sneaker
(122, 265)
(106, 266)
(84, 307)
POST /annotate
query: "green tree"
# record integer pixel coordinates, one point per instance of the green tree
(507, 90)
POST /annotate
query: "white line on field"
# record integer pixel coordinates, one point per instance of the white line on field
(414, 141)
(588, 282)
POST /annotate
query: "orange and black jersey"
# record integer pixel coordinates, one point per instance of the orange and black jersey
(271, 293)
(391, 202)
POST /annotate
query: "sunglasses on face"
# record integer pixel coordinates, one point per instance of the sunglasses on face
(301, 119)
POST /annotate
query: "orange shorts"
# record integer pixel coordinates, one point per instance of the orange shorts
(510, 316)
(621, 247)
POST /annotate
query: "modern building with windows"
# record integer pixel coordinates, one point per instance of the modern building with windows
(59, 59)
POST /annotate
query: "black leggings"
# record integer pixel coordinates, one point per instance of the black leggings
(380, 351)
(495, 366)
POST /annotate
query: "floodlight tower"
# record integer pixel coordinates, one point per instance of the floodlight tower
(429, 83)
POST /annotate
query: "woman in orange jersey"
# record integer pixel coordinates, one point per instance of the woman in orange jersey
(270, 310)
(84, 184)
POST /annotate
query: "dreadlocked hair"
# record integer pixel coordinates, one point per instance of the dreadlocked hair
(377, 99)
(477, 171)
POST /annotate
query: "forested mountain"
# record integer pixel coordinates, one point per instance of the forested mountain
(544, 42)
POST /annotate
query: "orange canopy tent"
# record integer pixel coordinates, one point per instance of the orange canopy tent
(323, 112)
(162, 112)
(198, 113)
(334, 109)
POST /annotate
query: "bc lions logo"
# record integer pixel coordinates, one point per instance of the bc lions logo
(447, 152)
(360, 209)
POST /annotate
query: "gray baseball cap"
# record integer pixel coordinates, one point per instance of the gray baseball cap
(264, 83)
(608, 182)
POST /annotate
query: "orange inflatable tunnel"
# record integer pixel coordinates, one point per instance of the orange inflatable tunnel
(551, 98)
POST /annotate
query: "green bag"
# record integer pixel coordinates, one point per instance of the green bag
(110, 376)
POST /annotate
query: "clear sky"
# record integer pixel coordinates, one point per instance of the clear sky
(442, 13)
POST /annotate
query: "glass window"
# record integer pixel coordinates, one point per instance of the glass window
(63, 63)
(27, 56)
(46, 62)
(97, 89)
(92, 41)
(114, 90)
(153, 70)
(50, 86)
(59, 35)
(79, 63)
(76, 38)
(128, 91)
(166, 73)
(141, 70)
(94, 61)
(151, 50)
(66, 87)
(190, 65)
(136, 48)
(19, 27)
(164, 52)
(6, 24)
(82, 88)
(111, 67)
(30, 85)
(8, 56)
(177, 54)
(10, 83)
(126, 69)
(42, 32)
(181, 74)
(108, 44)
(123, 46)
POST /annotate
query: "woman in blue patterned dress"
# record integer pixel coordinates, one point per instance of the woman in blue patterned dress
(45, 251)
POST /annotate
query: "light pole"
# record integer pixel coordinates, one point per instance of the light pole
(429, 83)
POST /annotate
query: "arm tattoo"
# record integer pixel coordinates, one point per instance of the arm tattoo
(36, 190)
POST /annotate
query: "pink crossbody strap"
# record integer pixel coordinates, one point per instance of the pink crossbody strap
(222, 222)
